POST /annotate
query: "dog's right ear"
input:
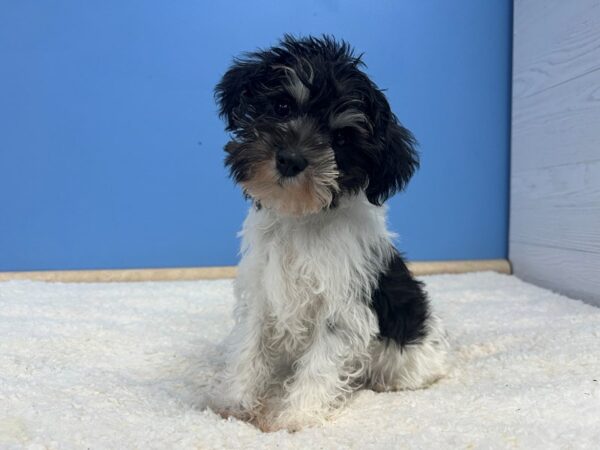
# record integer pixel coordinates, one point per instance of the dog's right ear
(234, 91)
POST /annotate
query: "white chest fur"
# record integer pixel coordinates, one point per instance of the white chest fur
(302, 271)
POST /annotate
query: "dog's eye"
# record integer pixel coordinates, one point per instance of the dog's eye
(282, 109)
(340, 137)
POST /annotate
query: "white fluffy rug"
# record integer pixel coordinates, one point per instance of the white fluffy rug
(126, 365)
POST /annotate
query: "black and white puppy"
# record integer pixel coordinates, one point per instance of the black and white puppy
(325, 303)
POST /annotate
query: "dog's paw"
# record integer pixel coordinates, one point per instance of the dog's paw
(289, 421)
(236, 413)
(228, 407)
(243, 406)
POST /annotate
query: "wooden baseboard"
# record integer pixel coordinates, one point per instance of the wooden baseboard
(212, 273)
(462, 266)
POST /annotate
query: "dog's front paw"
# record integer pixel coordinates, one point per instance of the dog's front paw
(235, 412)
(240, 409)
(287, 420)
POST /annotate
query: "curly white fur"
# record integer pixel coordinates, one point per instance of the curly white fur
(305, 336)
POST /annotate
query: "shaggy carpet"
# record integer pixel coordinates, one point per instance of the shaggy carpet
(127, 365)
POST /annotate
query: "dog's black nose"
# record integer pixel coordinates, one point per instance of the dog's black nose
(290, 162)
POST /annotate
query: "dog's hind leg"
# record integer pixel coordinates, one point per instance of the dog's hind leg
(412, 366)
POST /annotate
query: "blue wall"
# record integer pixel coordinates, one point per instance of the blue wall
(110, 147)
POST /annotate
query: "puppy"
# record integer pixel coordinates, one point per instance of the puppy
(325, 303)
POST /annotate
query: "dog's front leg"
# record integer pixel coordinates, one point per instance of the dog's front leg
(323, 378)
(247, 369)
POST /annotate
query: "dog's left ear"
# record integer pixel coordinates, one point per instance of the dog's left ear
(235, 90)
(397, 157)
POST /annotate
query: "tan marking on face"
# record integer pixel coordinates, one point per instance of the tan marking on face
(307, 193)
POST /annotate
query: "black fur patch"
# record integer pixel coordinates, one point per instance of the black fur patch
(401, 304)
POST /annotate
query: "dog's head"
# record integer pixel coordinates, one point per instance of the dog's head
(309, 126)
